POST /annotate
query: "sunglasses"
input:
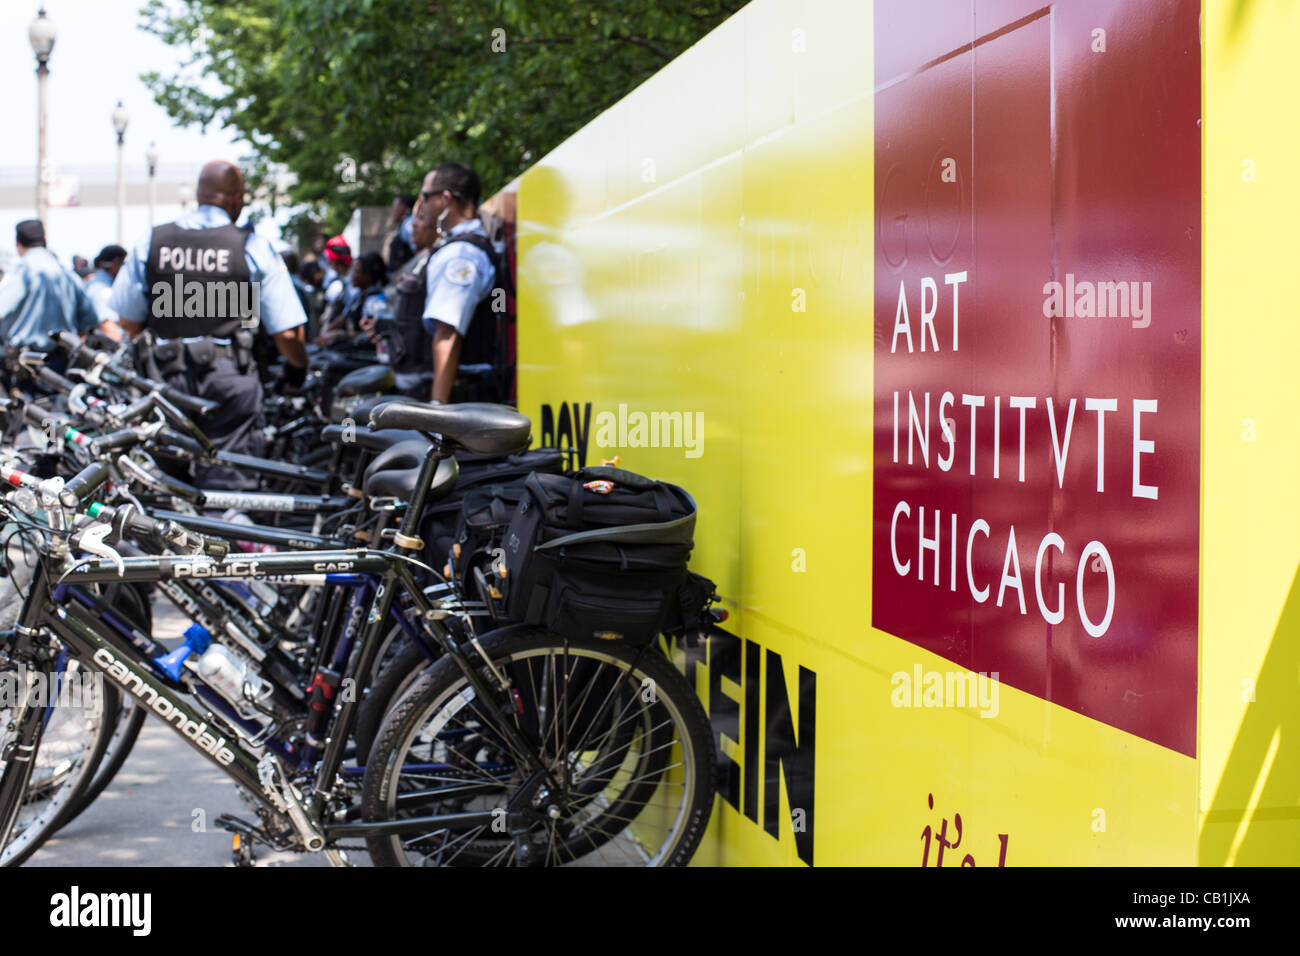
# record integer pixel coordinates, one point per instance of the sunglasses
(431, 194)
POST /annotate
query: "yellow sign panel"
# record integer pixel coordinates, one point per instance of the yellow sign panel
(696, 274)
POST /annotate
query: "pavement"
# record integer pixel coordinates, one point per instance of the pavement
(160, 808)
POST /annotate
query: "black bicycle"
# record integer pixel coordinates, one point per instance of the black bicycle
(517, 747)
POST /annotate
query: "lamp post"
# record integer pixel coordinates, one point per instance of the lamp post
(151, 157)
(41, 34)
(120, 118)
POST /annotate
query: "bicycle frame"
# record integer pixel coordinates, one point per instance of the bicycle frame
(269, 501)
(132, 671)
(261, 534)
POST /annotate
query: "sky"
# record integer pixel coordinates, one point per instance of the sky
(98, 57)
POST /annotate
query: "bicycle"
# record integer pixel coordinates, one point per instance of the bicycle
(555, 804)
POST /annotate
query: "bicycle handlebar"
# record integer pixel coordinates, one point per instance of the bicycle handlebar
(54, 379)
(126, 438)
(191, 404)
(137, 409)
(84, 484)
(160, 482)
(175, 535)
(177, 418)
(183, 442)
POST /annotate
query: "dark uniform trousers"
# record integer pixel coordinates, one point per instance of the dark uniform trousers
(235, 426)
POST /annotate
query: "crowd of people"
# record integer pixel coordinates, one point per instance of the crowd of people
(422, 301)
(418, 297)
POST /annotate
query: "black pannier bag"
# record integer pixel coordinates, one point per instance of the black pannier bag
(610, 565)
(439, 525)
(485, 514)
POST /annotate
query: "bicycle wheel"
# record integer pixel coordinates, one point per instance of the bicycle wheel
(397, 666)
(76, 734)
(626, 757)
(134, 605)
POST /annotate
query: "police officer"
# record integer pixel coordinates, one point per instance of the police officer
(399, 246)
(193, 293)
(39, 296)
(408, 345)
(99, 285)
(459, 273)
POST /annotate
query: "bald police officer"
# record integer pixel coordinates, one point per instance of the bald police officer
(192, 294)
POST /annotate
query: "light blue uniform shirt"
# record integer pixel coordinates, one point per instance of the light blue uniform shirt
(460, 276)
(279, 303)
(39, 296)
(99, 287)
(340, 287)
(375, 306)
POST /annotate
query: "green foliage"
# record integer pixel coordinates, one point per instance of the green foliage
(398, 86)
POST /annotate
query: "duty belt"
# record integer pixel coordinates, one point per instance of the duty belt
(166, 357)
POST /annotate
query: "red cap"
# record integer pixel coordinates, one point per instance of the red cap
(338, 252)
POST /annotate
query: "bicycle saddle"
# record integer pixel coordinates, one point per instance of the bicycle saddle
(371, 441)
(366, 381)
(393, 473)
(358, 409)
(477, 427)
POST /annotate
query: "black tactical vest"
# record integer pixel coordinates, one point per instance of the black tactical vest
(482, 339)
(198, 282)
(413, 348)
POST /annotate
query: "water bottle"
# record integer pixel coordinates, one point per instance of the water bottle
(230, 676)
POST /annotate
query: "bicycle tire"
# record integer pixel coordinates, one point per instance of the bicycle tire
(135, 606)
(396, 675)
(670, 726)
(29, 835)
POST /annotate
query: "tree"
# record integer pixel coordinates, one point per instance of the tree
(359, 98)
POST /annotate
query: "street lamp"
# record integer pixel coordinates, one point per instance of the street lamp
(42, 34)
(151, 157)
(120, 118)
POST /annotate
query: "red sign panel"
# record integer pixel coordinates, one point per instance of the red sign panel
(1037, 348)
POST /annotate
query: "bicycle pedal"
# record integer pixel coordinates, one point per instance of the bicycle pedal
(241, 851)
